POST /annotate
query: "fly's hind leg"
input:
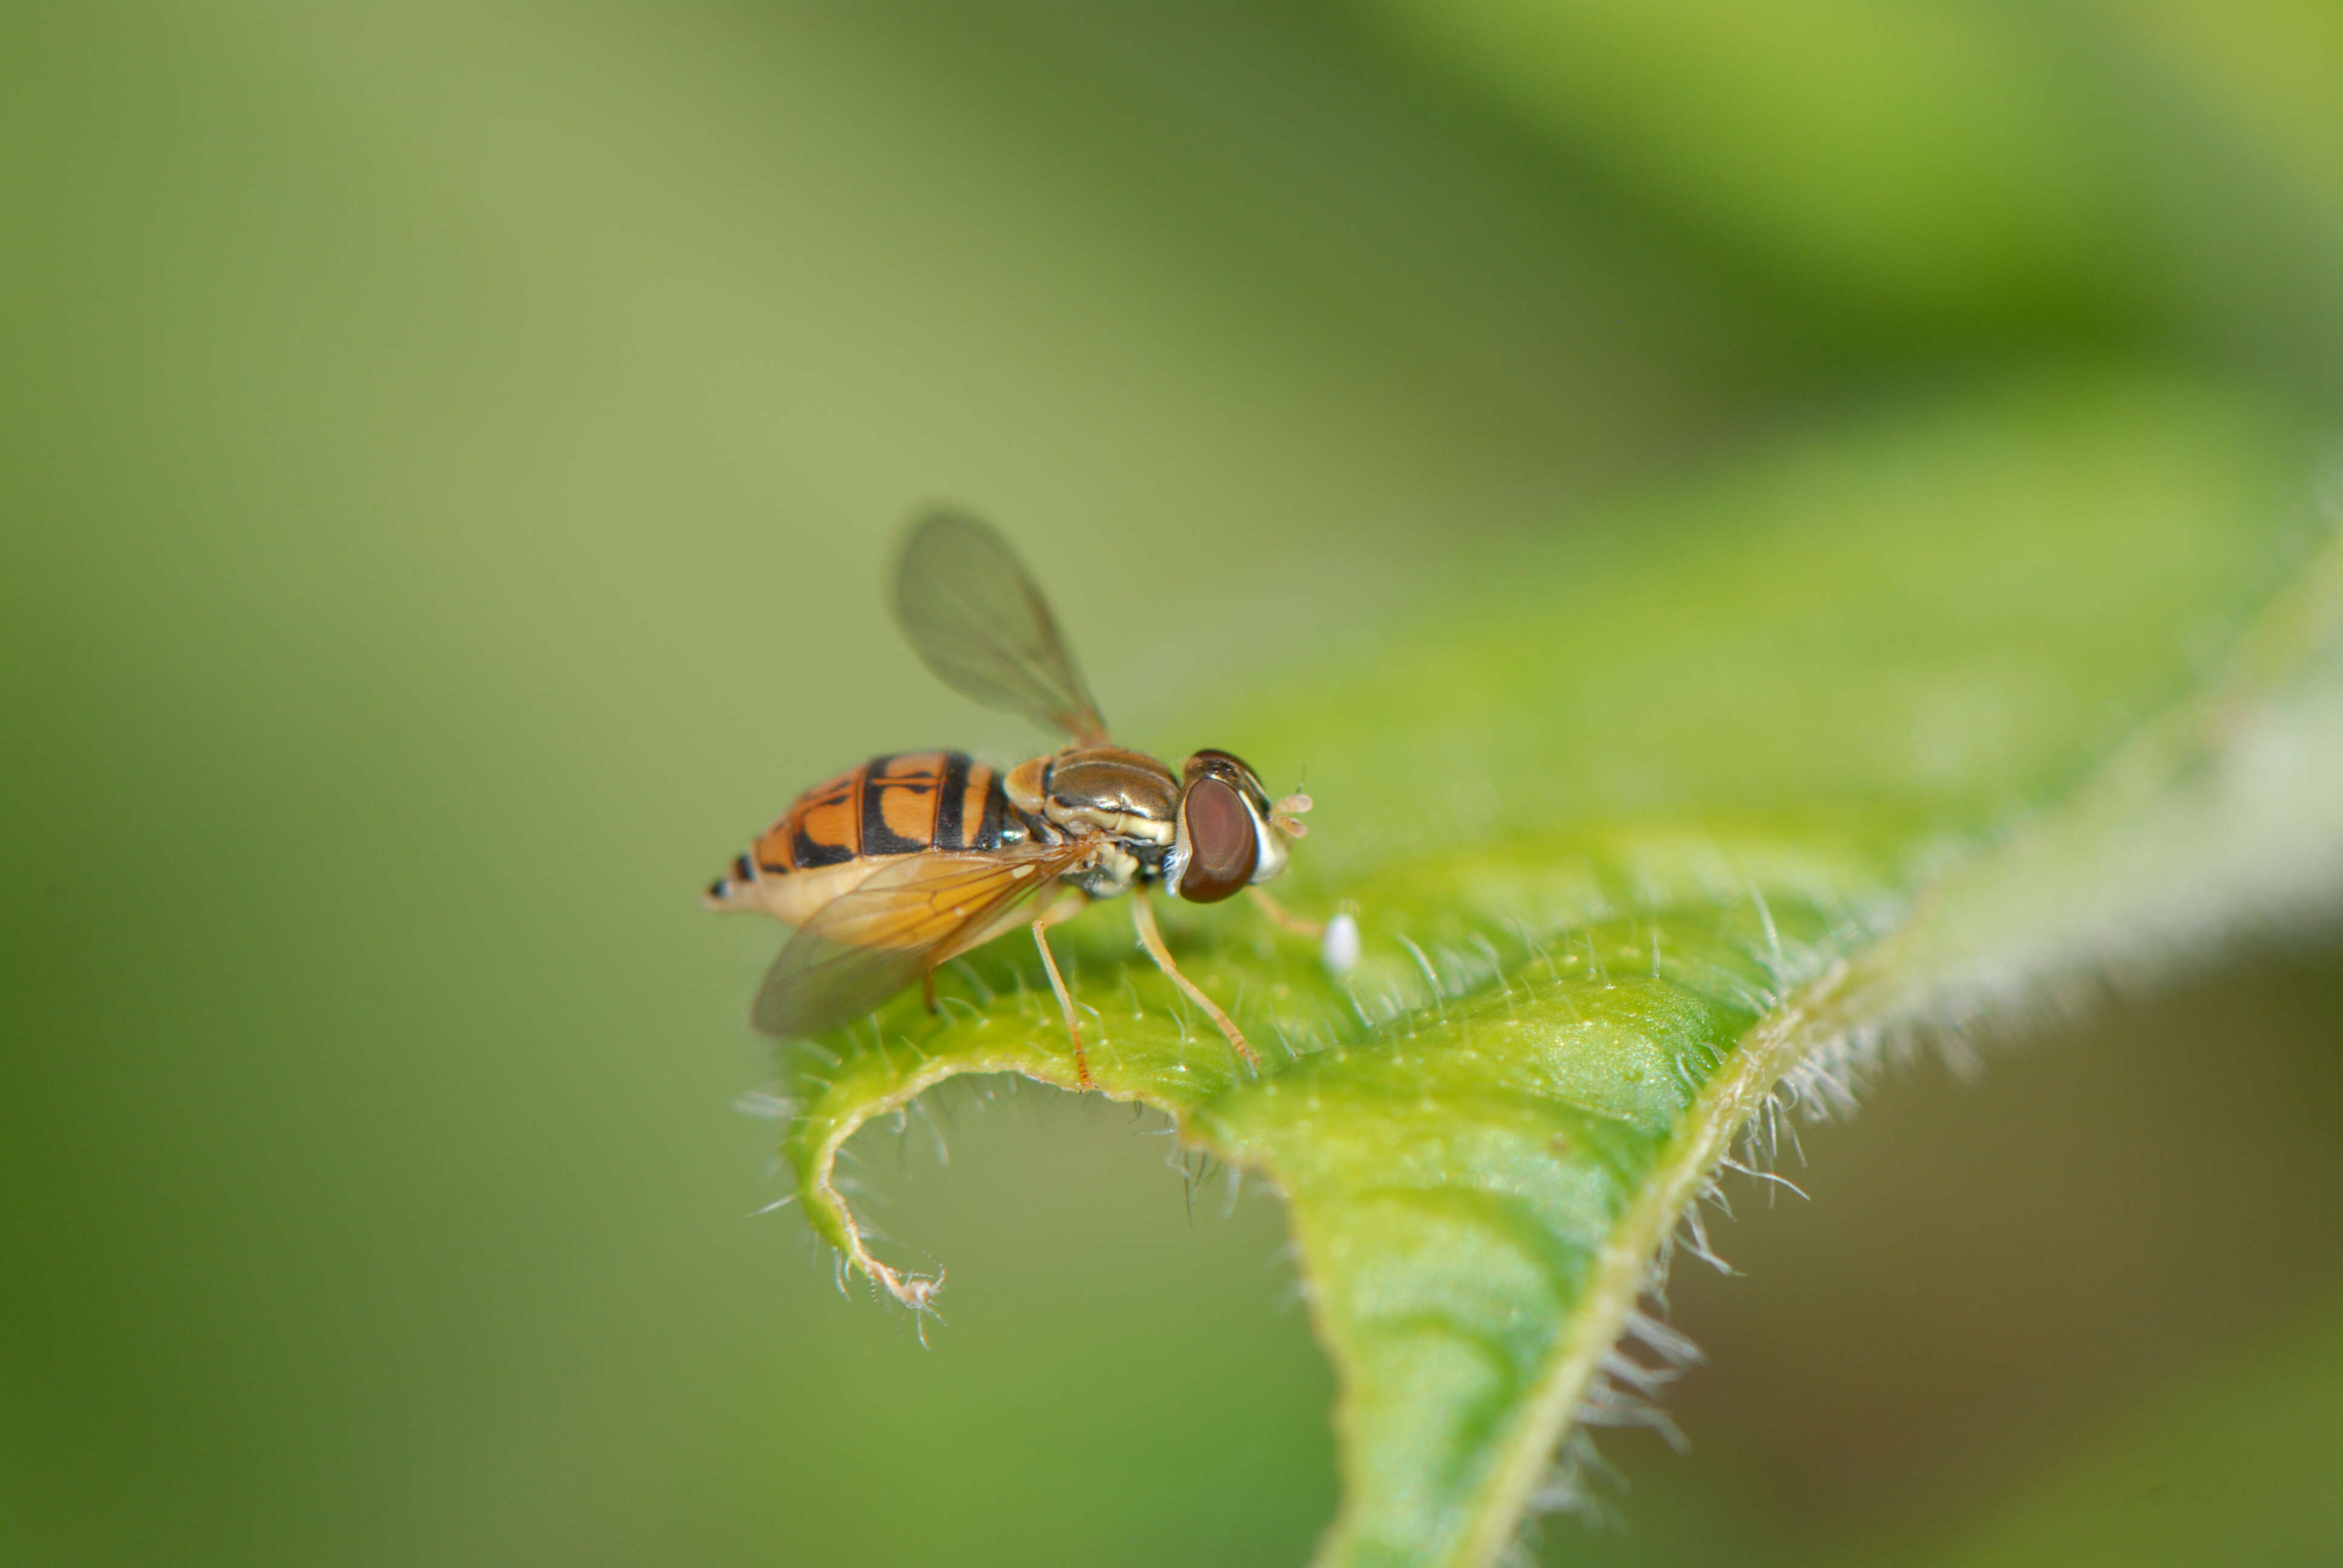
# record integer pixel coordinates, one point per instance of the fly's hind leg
(1057, 914)
(1143, 915)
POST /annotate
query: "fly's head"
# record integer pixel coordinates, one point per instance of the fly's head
(1226, 832)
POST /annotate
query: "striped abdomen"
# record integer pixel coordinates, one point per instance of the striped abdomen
(828, 837)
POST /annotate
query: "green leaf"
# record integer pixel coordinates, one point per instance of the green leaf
(1662, 837)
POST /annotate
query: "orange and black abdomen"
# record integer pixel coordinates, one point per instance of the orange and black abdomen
(897, 805)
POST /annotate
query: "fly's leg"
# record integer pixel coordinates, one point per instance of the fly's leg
(1283, 918)
(1058, 914)
(1337, 938)
(1143, 915)
(928, 984)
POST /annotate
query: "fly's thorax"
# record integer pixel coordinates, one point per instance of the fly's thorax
(1126, 796)
(1109, 872)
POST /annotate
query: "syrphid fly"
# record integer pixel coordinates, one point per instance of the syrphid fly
(891, 868)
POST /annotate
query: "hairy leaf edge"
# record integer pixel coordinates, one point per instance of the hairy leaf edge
(1835, 1021)
(1898, 982)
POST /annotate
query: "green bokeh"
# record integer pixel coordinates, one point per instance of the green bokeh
(447, 457)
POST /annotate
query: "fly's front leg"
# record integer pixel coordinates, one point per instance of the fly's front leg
(1337, 938)
(1057, 914)
(1143, 915)
(1283, 918)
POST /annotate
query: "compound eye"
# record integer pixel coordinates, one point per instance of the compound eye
(1222, 848)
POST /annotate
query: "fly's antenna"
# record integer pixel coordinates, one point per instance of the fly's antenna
(1287, 815)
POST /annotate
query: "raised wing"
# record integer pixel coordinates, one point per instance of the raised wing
(976, 617)
(918, 911)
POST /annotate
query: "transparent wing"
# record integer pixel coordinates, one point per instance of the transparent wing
(865, 946)
(977, 618)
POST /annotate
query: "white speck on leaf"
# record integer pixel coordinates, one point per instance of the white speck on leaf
(1339, 948)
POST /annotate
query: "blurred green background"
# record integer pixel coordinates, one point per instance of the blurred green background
(449, 456)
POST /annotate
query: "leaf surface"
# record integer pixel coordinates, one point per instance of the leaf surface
(1656, 830)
